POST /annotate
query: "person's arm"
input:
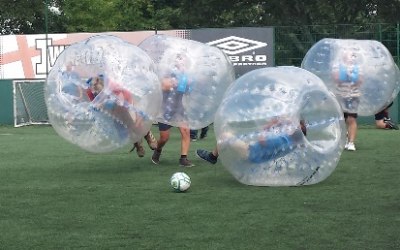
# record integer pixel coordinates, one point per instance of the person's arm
(168, 83)
(123, 96)
(335, 74)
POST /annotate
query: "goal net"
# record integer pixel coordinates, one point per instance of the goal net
(29, 103)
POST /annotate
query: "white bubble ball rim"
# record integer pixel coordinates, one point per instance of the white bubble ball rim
(121, 113)
(194, 77)
(361, 73)
(284, 96)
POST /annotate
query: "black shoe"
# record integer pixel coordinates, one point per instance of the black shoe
(155, 158)
(184, 162)
(391, 124)
(205, 155)
(203, 133)
(193, 138)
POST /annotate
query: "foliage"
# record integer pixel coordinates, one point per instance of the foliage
(90, 15)
(28, 16)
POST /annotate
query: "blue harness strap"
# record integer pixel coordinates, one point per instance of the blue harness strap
(274, 147)
(345, 77)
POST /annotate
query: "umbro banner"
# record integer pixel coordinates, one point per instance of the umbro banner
(248, 48)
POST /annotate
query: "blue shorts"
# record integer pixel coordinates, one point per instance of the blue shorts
(351, 103)
(172, 105)
(273, 148)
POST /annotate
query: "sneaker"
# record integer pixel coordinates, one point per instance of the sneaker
(391, 124)
(155, 158)
(203, 133)
(151, 140)
(184, 162)
(139, 149)
(350, 146)
(193, 138)
(205, 155)
(202, 136)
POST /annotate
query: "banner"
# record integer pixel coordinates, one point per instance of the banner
(248, 48)
(25, 57)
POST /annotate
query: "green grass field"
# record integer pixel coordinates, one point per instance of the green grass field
(53, 195)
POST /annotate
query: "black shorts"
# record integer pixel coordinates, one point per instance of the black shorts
(383, 113)
(355, 115)
(380, 115)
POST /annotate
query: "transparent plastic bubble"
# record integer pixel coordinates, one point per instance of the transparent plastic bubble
(361, 73)
(194, 77)
(279, 126)
(102, 93)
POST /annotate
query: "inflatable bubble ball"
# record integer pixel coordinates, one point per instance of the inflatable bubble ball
(361, 73)
(279, 126)
(193, 76)
(102, 93)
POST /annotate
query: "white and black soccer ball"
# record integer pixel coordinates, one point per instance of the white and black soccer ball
(180, 181)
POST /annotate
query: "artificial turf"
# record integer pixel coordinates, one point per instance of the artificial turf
(53, 195)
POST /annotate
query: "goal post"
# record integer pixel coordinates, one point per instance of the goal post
(29, 102)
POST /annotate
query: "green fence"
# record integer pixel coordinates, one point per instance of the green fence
(6, 102)
(293, 42)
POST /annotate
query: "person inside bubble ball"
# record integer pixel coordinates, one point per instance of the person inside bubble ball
(348, 77)
(268, 147)
(174, 86)
(383, 121)
(117, 104)
(71, 84)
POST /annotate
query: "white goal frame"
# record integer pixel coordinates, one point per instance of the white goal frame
(25, 105)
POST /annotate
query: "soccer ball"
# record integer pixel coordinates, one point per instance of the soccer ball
(180, 181)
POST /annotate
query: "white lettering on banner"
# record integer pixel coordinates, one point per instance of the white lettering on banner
(250, 64)
(53, 53)
(249, 58)
(254, 60)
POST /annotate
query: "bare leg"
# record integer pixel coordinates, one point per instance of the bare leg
(239, 146)
(351, 128)
(380, 124)
(185, 140)
(215, 152)
(164, 137)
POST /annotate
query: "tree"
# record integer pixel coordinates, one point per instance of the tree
(26, 16)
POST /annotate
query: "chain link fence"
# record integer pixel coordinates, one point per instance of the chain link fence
(293, 42)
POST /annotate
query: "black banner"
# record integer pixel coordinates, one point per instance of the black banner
(248, 48)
